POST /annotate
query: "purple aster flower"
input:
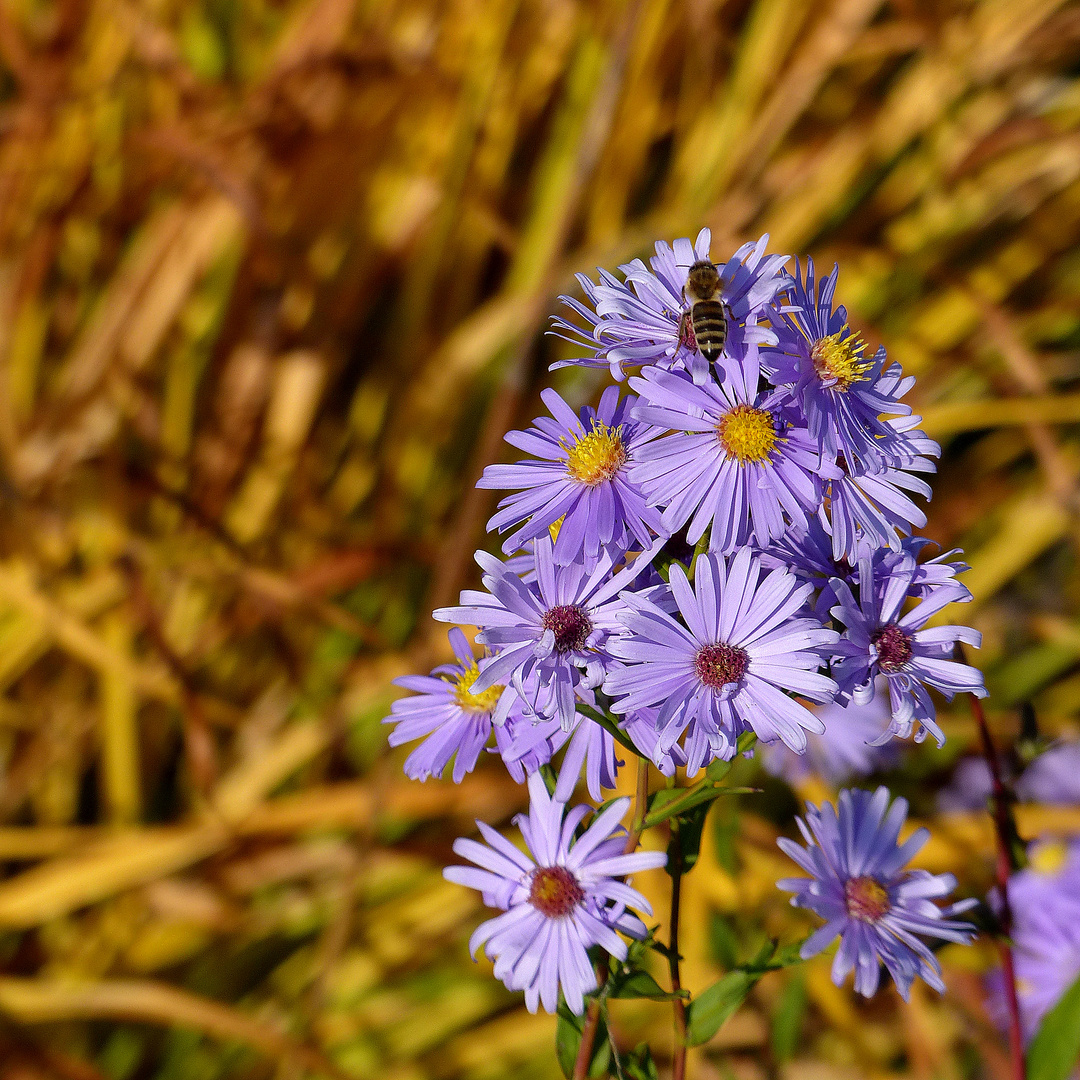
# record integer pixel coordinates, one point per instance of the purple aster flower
(940, 570)
(820, 365)
(1045, 901)
(559, 900)
(859, 886)
(549, 635)
(641, 728)
(881, 639)
(870, 511)
(849, 745)
(636, 321)
(969, 789)
(730, 461)
(587, 744)
(725, 671)
(806, 550)
(1053, 778)
(1051, 876)
(1046, 955)
(520, 760)
(578, 482)
(453, 721)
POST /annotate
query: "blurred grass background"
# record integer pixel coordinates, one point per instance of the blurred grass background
(274, 276)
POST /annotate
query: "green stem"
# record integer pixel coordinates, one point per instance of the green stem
(678, 1064)
(610, 727)
(641, 799)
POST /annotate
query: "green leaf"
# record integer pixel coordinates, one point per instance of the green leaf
(787, 1019)
(550, 778)
(706, 1014)
(717, 770)
(785, 956)
(685, 845)
(725, 827)
(1055, 1050)
(723, 940)
(639, 984)
(639, 1065)
(568, 1041)
(668, 802)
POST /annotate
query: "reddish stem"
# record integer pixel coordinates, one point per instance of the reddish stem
(592, 1024)
(1005, 831)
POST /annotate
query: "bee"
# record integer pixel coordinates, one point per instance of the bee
(704, 325)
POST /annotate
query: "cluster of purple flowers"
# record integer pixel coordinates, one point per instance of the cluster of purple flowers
(711, 554)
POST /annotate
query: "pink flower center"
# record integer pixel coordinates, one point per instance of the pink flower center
(718, 665)
(569, 624)
(893, 647)
(555, 891)
(866, 898)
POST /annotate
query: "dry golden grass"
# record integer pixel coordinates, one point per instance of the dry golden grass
(273, 281)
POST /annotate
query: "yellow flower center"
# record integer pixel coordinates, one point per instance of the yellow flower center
(747, 434)
(598, 456)
(840, 360)
(1049, 857)
(484, 702)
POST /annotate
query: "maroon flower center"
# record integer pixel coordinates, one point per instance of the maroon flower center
(555, 891)
(569, 624)
(893, 647)
(718, 665)
(866, 898)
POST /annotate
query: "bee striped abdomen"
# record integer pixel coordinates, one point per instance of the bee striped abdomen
(709, 321)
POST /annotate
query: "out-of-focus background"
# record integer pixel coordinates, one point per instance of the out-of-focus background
(274, 276)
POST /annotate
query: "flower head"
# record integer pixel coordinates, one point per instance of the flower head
(636, 321)
(723, 670)
(846, 748)
(558, 900)
(587, 745)
(1045, 901)
(550, 634)
(870, 511)
(577, 485)
(1053, 777)
(859, 886)
(882, 639)
(729, 463)
(821, 366)
(453, 720)
(969, 789)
